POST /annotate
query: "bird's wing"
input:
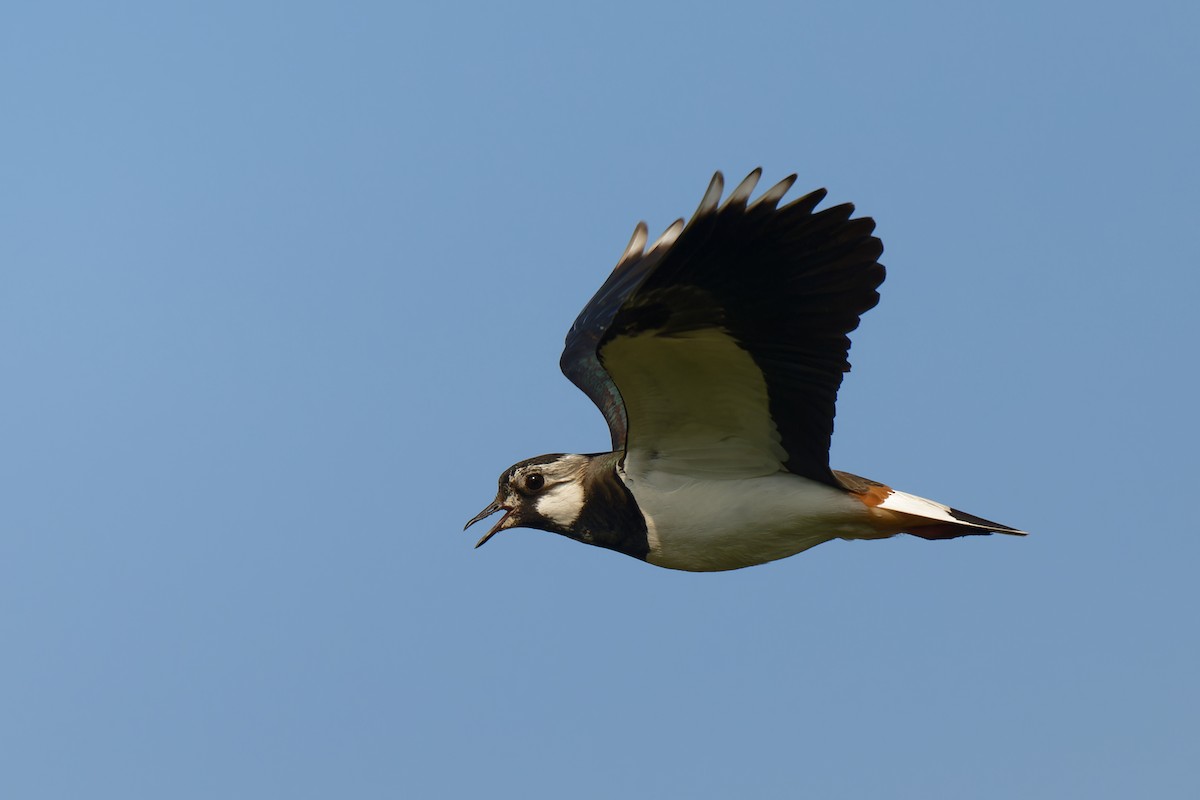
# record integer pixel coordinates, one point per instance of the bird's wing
(720, 348)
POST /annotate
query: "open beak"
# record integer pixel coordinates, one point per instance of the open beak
(487, 512)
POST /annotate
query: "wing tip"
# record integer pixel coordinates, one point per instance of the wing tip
(637, 243)
(741, 193)
(771, 197)
(712, 195)
(668, 236)
(806, 203)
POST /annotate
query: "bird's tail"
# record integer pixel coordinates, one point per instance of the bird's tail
(931, 520)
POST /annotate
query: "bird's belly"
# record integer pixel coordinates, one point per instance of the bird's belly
(710, 525)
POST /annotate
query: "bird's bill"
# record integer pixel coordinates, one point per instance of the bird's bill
(487, 512)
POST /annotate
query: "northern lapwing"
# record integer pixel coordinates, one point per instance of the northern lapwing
(716, 355)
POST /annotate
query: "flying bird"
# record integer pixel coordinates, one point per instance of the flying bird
(715, 355)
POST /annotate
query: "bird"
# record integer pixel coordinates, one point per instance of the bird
(715, 354)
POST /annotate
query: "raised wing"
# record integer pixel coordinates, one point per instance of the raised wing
(580, 360)
(721, 347)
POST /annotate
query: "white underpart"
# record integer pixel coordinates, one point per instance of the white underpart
(918, 507)
(718, 524)
(697, 405)
(561, 503)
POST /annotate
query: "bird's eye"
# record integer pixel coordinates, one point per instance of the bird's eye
(534, 481)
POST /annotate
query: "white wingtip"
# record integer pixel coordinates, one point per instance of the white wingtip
(637, 242)
(741, 194)
(771, 197)
(712, 195)
(669, 235)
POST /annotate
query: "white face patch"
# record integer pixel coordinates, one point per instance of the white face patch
(561, 503)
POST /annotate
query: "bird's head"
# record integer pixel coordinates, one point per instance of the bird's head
(545, 492)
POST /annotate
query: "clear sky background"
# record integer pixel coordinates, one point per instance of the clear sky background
(283, 288)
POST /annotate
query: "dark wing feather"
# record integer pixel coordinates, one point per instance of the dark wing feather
(580, 360)
(786, 285)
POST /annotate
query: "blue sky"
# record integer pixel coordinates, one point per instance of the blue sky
(283, 290)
